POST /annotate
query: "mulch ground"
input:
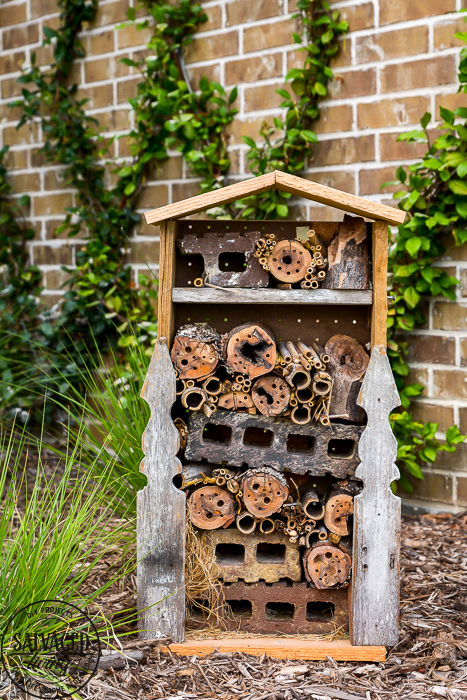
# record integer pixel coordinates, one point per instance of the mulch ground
(430, 660)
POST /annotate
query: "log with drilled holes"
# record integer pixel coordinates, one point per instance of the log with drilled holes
(289, 261)
(348, 364)
(211, 507)
(338, 512)
(264, 492)
(348, 260)
(237, 401)
(270, 395)
(326, 565)
(195, 352)
(250, 349)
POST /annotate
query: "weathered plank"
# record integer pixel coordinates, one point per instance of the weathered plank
(375, 578)
(348, 261)
(161, 511)
(379, 312)
(207, 295)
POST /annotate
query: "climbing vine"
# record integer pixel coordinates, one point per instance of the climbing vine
(433, 193)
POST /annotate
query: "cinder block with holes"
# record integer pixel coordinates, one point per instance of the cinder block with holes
(240, 438)
(287, 607)
(256, 556)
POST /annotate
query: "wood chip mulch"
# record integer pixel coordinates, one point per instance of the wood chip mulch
(430, 660)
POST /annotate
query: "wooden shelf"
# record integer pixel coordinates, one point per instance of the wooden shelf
(283, 648)
(208, 295)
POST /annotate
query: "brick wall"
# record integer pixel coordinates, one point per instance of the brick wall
(398, 61)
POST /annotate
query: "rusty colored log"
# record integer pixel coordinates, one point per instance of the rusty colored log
(195, 351)
(246, 523)
(270, 395)
(251, 350)
(348, 260)
(237, 401)
(326, 565)
(312, 506)
(338, 512)
(211, 507)
(264, 493)
(289, 261)
(348, 364)
(194, 398)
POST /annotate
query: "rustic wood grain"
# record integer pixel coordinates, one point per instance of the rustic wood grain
(161, 511)
(205, 295)
(348, 261)
(379, 313)
(375, 578)
(286, 183)
(165, 314)
(306, 649)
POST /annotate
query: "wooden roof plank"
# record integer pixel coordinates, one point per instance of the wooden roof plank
(207, 200)
(340, 200)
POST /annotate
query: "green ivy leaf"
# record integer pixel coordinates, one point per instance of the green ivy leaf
(458, 187)
(412, 246)
(412, 297)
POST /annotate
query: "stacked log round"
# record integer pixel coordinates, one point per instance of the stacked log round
(195, 352)
(237, 401)
(251, 350)
(270, 395)
(264, 492)
(338, 512)
(348, 362)
(326, 565)
(211, 507)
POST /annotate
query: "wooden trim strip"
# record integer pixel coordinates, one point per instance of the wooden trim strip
(207, 295)
(379, 312)
(165, 314)
(201, 202)
(283, 648)
(335, 198)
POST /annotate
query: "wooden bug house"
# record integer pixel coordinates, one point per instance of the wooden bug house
(270, 391)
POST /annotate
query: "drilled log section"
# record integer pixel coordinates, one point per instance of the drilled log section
(237, 401)
(338, 512)
(251, 350)
(312, 505)
(289, 261)
(195, 351)
(210, 507)
(326, 565)
(270, 395)
(347, 366)
(264, 493)
(348, 260)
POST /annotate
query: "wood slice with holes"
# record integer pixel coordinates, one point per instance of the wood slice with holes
(251, 350)
(326, 565)
(348, 364)
(237, 401)
(211, 507)
(338, 512)
(194, 359)
(348, 259)
(270, 395)
(289, 261)
(263, 494)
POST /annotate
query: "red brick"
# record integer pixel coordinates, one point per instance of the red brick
(463, 281)
(387, 45)
(463, 420)
(394, 112)
(353, 84)
(450, 101)
(462, 490)
(12, 62)
(214, 14)
(98, 96)
(170, 169)
(452, 461)
(433, 413)
(52, 204)
(12, 14)
(144, 252)
(104, 69)
(262, 97)
(248, 70)
(343, 151)
(450, 383)
(127, 89)
(266, 36)
(217, 46)
(358, 16)
(110, 13)
(212, 72)
(391, 149)
(433, 487)
(449, 316)
(41, 8)
(153, 196)
(240, 11)
(247, 127)
(52, 255)
(411, 75)
(25, 182)
(130, 36)
(418, 376)
(10, 88)
(339, 179)
(431, 348)
(334, 118)
(463, 347)
(99, 43)
(28, 134)
(444, 33)
(371, 180)
(401, 11)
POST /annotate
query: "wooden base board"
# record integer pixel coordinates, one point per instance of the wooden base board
(283, 648)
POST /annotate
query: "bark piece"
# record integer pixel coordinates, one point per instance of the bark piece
(347, 366)
(195, 352)
(289, 261)
(270, 395)
(237, 401)
(211, 507)
(251, 350)
(348, 260)
(264, 493)
(326, 565)
(212, 245)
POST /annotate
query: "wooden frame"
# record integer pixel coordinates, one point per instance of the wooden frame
(375, 579)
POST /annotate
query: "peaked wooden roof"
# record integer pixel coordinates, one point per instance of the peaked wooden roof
(297, 186)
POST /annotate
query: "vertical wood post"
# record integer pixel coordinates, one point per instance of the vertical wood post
(165, 321)
(375, 576)
(380, 284)
(161, 511)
